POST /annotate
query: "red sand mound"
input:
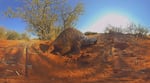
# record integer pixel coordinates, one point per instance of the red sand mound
(95, 64)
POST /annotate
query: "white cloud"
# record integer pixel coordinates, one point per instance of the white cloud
(110, 19)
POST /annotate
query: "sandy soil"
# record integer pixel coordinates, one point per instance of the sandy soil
(117, 59)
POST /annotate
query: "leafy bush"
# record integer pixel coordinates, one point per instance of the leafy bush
(12, 35)
(24, 36)
(2, 33)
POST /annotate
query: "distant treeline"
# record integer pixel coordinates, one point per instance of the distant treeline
(6, 34)
(131, 29)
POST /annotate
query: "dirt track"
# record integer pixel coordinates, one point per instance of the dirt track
(127, 62)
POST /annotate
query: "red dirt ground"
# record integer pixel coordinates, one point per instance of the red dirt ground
(123, 60)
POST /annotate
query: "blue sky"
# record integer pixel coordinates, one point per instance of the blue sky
(135, 10)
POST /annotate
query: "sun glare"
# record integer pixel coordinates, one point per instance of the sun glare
(110, 19)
